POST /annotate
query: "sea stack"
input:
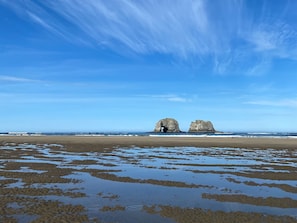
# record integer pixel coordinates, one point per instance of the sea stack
(167, 125)
(201, 126)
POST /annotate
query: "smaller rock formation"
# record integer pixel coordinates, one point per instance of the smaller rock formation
(201, 126)
(167, 125)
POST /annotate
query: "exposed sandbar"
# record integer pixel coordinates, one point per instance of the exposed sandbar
(99, 143)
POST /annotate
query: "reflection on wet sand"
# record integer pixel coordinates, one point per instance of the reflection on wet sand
(259, 201)
(188, 215)
(51, 183)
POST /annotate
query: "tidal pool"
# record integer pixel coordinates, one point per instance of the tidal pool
(147, 184)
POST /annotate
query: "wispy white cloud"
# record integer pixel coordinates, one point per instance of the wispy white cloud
(178, 99)
(43, 97)
(275, 103)
(43, 23)
(228, 32)
(141, 26)
(16, 79)
(168, 97)
(277, 38)
(262, 66)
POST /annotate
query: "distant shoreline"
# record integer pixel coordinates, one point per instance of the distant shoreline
(159, 134)
(100, 143)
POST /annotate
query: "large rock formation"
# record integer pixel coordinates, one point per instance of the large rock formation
(201, 126)
(167, 125)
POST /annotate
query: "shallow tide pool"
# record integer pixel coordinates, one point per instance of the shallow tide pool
(148, 184)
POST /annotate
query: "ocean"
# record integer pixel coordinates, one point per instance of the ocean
(157, 134)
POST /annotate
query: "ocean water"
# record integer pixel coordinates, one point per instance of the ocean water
(157, 134)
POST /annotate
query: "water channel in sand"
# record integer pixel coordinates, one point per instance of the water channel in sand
(148, 184)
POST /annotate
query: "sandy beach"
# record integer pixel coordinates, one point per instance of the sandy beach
(147, 179)
(76, 143)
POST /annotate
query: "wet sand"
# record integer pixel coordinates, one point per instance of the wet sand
(94, 143)
(160, 179)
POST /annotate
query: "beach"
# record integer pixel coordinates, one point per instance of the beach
(148, 179)
(76, 143)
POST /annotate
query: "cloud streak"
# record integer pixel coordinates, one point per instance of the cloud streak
(8, 78)
(99, 98)
(275, 103)
(167, 97)
(184, 29)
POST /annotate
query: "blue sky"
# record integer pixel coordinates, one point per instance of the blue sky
(96, 65)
